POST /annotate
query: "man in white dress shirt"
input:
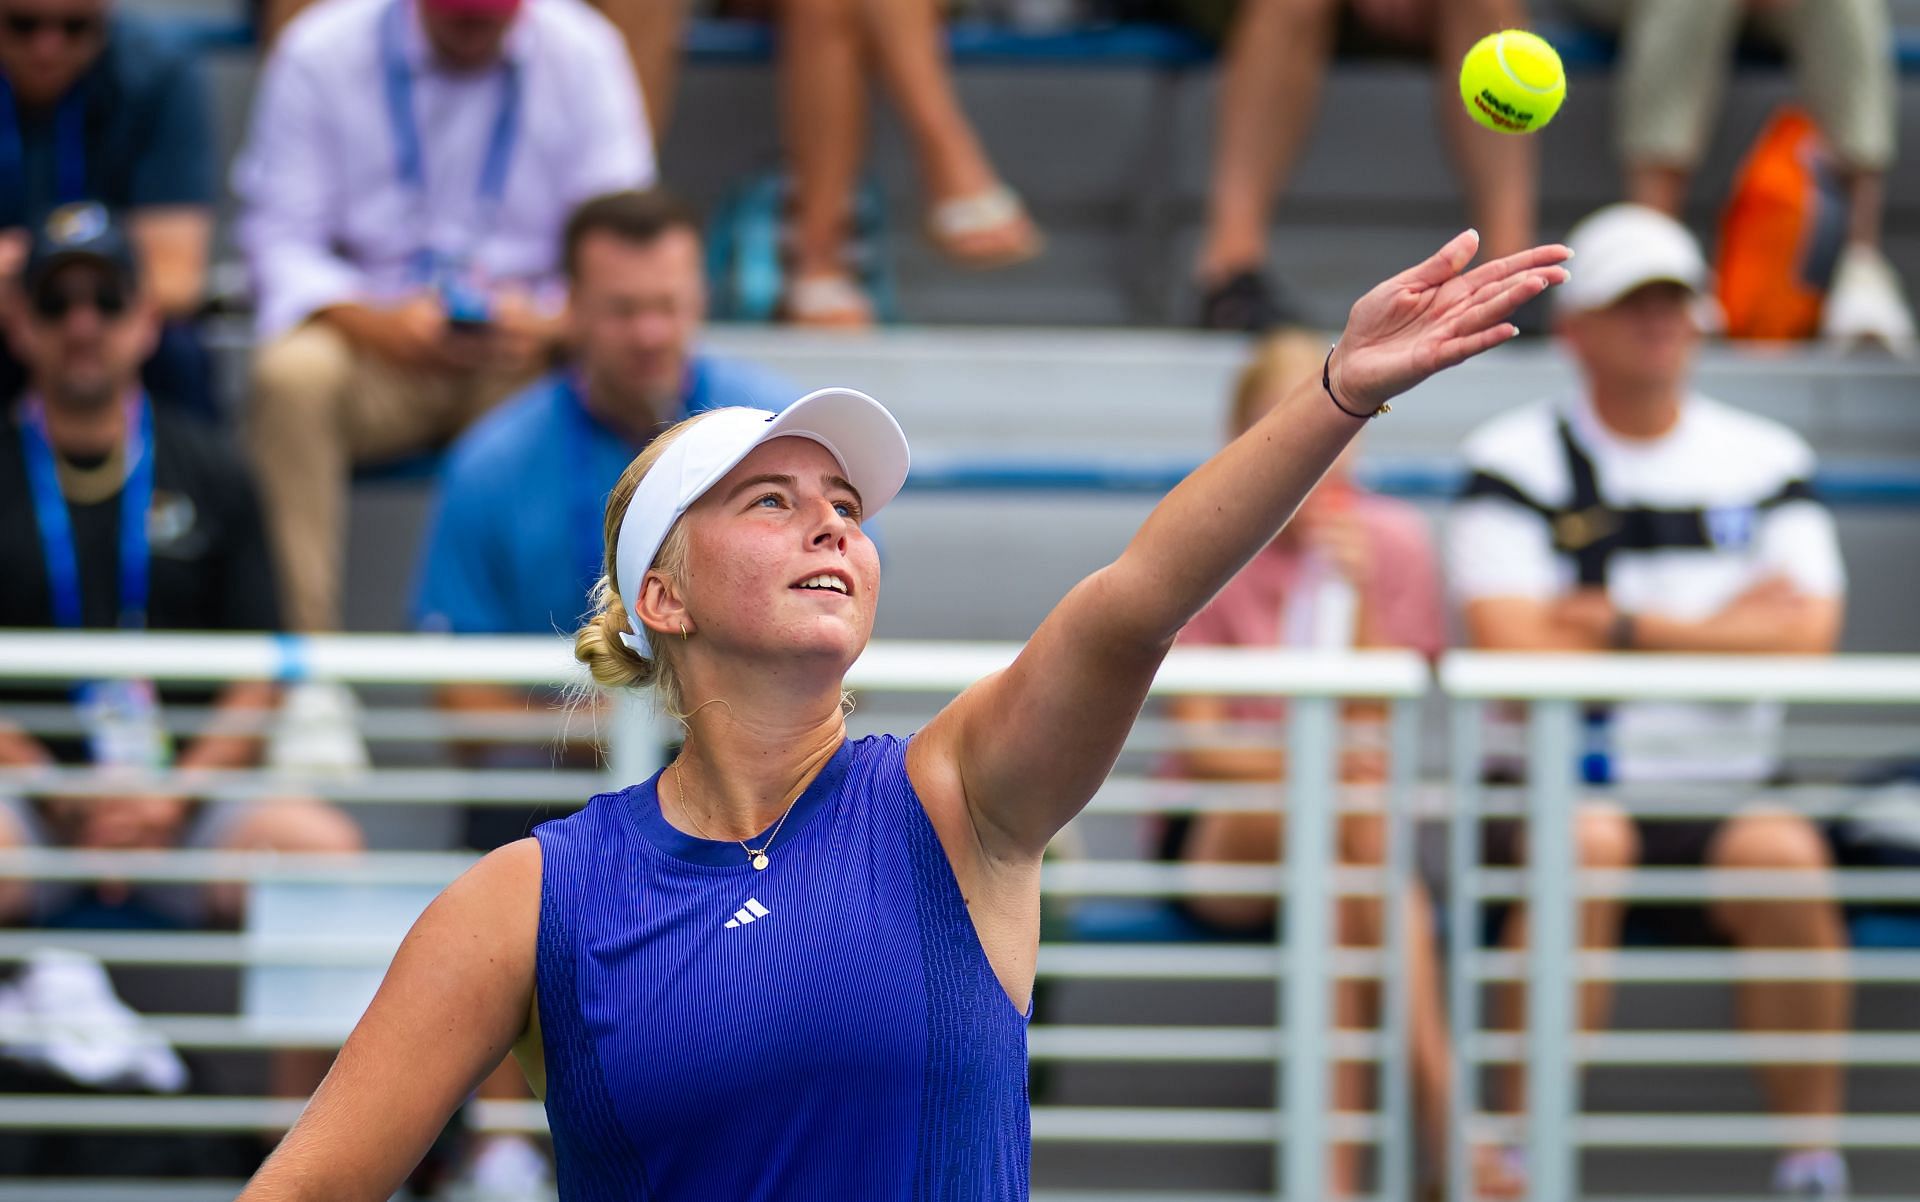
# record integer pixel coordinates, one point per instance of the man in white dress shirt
(1639, 516)
(408, 171)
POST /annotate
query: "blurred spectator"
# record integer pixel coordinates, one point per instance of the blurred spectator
(1352, 569)
(1276, 57)
(117, 513)
(408, 171)
(1637, 515)
(830, 53)
(105, 106)
(1674, 64)
(650, 28)
(507, 556)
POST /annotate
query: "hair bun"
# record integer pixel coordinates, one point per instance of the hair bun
(598, 644)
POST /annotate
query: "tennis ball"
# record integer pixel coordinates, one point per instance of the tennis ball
(1512, 82)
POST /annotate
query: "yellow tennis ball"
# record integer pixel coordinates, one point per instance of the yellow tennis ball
(1512, 82)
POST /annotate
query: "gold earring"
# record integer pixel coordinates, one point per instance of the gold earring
(683, 632)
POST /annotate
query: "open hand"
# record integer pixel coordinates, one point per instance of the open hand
(412, 334)
(1337, 533)
(1588, 613)
(1431, 317)
(521, 337)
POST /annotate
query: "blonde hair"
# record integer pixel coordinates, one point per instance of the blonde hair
(597, 644)
(1280, 360)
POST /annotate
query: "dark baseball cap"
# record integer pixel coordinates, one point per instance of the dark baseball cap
(80, 232)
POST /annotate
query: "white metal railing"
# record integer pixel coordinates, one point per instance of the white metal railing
(902, 683)
(911, 679)
(1553, 689)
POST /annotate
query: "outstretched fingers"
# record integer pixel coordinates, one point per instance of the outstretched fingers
(1455, 351)
(1530, 259)
(1447, 262)
(1483, 324)
(1497, 299)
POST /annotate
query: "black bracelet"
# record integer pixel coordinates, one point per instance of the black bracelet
(1326, 382)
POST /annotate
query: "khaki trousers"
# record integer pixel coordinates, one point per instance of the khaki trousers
(1675, 56)
(319, 407)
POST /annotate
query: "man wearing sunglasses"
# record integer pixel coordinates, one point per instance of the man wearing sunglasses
(120, 513)
(98, 105)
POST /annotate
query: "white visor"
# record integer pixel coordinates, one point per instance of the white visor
(857, 431)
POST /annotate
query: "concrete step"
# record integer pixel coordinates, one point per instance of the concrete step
(1015, 391)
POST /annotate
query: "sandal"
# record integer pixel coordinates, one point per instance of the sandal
(952, 224)
(826, 302)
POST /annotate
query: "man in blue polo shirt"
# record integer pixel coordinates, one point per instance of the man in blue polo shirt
(515, 540)
(105, 106)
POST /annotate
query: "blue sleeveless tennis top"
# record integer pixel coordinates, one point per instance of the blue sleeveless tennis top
(827, 1030)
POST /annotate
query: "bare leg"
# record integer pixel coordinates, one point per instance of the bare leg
(1607, 839)
(14, 894)
(1233, 839)
(1659, 187)
(652, 32)
(1357, 1003)
(1866, 207)
(1786, 843)
(1259, 839)
(291, 826)
(823, 109)
(904, 37)
(1269, 89)
(1501, 173)
(1842, 52)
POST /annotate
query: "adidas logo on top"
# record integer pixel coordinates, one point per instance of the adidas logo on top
(753, 911)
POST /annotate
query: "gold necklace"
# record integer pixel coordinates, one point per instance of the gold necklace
(91, 485)
(756, 856)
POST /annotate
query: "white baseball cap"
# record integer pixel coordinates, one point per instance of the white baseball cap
(1623, 247)
(855, 429)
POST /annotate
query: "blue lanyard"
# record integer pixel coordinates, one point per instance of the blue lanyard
(69, 146)
(409, 158)
(56, 523)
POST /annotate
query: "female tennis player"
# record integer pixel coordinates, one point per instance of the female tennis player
(793, 966)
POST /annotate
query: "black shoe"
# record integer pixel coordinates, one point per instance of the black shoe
(1244, 301)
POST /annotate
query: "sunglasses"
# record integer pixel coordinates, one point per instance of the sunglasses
(28, 25)
(53, 304)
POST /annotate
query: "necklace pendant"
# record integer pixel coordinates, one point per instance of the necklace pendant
(760, 861)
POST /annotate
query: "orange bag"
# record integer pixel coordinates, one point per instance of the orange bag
(1782, 232)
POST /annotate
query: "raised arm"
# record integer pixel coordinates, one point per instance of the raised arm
(1027, 747)
(458, 996)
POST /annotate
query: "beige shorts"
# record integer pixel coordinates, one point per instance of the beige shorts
(1675, 56)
